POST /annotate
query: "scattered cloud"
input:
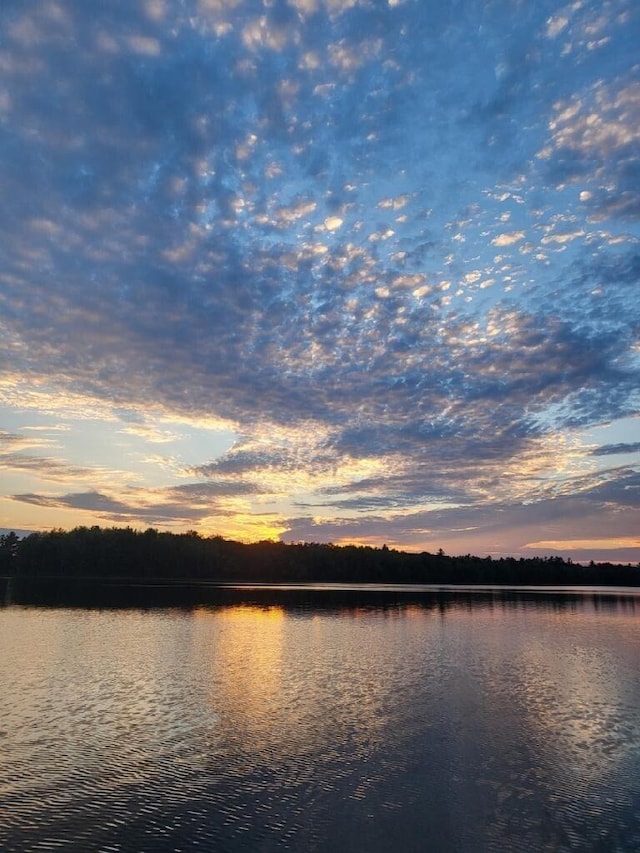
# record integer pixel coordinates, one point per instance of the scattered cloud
(508, 239)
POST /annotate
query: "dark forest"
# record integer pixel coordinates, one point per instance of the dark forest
(128, 555)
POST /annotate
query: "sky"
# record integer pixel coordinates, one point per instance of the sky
(349, 271)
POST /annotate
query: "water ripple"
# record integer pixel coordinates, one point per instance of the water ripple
(248, 728)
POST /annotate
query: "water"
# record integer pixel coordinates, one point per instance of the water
(323, 721)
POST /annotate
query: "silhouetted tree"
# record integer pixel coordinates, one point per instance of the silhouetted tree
(87, 553)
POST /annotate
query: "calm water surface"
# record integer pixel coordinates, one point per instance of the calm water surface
(418, 721)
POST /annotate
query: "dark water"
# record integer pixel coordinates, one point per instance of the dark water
(323, 721)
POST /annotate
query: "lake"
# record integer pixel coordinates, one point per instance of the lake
(323, 719)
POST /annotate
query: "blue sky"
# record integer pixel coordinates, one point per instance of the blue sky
(324, 270)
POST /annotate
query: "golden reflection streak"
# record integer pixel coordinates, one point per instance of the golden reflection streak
(296, 686)
(247, 660)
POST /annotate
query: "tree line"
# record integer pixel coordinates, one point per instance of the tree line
(126, 554)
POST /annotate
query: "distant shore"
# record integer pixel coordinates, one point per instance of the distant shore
(130, 557)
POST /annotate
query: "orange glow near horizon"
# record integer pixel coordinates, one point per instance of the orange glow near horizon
(585, 544)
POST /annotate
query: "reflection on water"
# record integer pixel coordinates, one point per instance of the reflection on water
(324, 720)
(61, 592)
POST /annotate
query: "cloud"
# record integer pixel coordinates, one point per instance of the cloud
(12, 459)
(80, 500)
(586, 545)
(393, 249)
(508, 239)
(501, 529)
(212, 489)
(140, 508)
(592, 140)
(49, 469)
(12, 442)
(616, 449)
(150, 433)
